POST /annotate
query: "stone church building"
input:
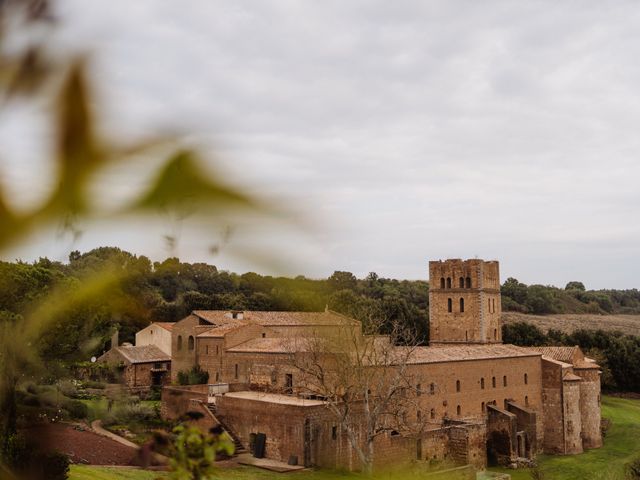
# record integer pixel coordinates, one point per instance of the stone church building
(478, 401)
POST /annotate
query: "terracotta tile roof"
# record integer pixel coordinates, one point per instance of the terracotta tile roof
(275, 398)
(586, 364)
(165, 325)
(299, 318)
(219, 331)
(327, 318)
(214, 316)
(143, 354)
(562, 354)
(570, 377)
(467, 352)
(272, 345)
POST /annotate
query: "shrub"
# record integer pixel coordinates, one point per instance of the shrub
(126, 413)
(94, 384)
(68, 388)
(77, 410)
(632, 469)
(195, 376)
(30, 400)
(53, 466)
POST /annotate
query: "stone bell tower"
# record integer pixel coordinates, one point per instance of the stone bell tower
(464, 302)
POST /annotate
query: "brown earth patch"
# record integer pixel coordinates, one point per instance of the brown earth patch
(568, 323)
(82, 446)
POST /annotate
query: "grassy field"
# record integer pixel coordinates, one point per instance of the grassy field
(568, 323)
(87, 472)
(622, 444)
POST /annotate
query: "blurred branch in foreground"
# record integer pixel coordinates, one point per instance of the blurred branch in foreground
(80, 155)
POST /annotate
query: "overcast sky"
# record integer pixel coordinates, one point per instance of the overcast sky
(406, 131)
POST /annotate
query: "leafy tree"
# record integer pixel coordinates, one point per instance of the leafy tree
(342, 281)
(575, 286)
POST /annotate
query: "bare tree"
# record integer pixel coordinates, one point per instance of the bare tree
(365, 380)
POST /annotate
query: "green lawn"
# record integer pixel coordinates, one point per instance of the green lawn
(621, 445)
(87, 472)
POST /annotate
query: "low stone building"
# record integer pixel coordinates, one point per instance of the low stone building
(475, 400)
(141, 367)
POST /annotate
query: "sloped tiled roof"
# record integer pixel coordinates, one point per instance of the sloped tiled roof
(143, 354)
(570, 377)
(165, 325)
(562, 354)
(272, 345)
(266, 319)
(214, 316)
(219, 331)
(467, 352)
(298, 318)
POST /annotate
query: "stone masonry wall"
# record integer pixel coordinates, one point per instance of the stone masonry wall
(590, 407)
(176, 401)
(572, 417)
(553, 414)
(182, 357)
(440, 396)
(464, 302)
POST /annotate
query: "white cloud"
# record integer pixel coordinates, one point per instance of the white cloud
(412, 130)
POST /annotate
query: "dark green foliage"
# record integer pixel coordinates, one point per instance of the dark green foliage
(618, 355)
(53, 466)
(195, 376)
(575, 286)
(632, 470)
(77, 410)
(20, 455)
(574, 298)
(524, 334)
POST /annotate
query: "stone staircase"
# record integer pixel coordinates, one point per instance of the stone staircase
(239, 448)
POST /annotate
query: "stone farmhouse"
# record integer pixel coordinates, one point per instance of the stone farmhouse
(478, 401)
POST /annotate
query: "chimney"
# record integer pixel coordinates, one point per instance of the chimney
(114, 339)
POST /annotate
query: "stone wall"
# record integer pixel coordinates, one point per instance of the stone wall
(210, 355)
(176, 401)
(464, 301)
(183, 358)
(526, 422)
(553, 413)
(501, 436)
(572, 417)
(439, 387)
(590, 407)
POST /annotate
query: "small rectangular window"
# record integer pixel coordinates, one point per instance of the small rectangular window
(334, 432)
(236, 371)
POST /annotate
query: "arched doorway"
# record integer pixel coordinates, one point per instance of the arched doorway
(498, 448)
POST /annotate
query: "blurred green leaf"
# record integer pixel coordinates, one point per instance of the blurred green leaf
(182, 183)
(77, 151)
